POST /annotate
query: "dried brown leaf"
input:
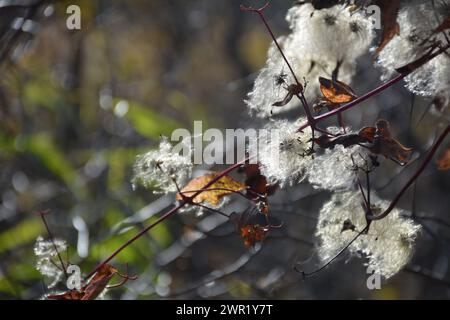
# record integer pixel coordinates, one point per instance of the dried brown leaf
(92, 289)
(379, 138)
(336, 91)
(387, 146)
(214, 193)
(443, 162)
(389, 12)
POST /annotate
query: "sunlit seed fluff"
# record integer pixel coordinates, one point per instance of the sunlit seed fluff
(311, 55)
(157, 168)
(417, 20)
(388, 246)
(266, 89)
(284, 152)
(47, 263)
(331, 34)
(334, 169)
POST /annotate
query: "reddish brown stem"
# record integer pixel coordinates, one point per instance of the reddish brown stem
(381, 88)
(300, 96)
(260, 13)
(414, 177)
(186, 200)
(357, 101)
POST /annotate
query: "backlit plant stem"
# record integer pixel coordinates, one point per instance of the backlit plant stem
(375, 91)
(300, 96)
(422, 167)
(168, 214)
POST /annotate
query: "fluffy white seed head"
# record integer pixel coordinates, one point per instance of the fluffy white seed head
(334, 34)
(47, 263)
(157, 168)
(284, 152)
(417, 20)
(313, 49)
(333, 169)
(388, 246)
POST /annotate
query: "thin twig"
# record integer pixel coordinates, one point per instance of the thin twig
(52, 240)
(415, 176)
(168, 214)
(308, 274)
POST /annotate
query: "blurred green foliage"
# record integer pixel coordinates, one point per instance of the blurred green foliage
(76, 107)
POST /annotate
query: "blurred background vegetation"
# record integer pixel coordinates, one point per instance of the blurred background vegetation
(76, 107)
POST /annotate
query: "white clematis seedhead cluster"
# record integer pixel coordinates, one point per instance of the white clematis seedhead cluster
(417, 21)
(388, 245)
(319, 40)
(327, 43)
(158, 169)
(336, 169)
(284, 157)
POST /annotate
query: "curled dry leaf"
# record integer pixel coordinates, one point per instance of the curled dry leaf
(377, 139)
(253, 234)
(443, 162)
(255, 181)
(346, 140)
(389, 12)
(214, 193)
(367, 133)
(93, 288)
(336, 91)
(387, 146)
(253, 226)
(258, 189)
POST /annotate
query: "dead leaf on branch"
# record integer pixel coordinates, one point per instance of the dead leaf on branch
(256, 182)
(94, 287)
(443, 162)
(253, 226)
(346, 140)
(377, 139)
(253, 234)
(336, 91)
(214, 193)
(389, 12)
(367, 133)
(387, 146)
(257, 186)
